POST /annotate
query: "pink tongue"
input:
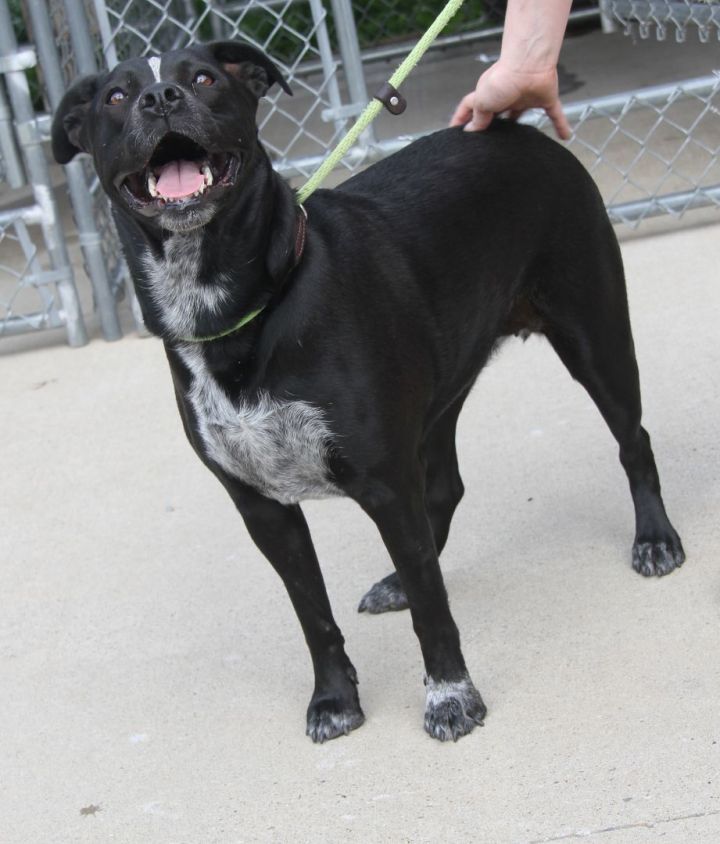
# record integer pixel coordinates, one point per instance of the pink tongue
(179, 178)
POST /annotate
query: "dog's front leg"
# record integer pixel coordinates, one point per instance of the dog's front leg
(282, 534)
(453, 704)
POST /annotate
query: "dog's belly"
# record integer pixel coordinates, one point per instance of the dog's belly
(277, 447)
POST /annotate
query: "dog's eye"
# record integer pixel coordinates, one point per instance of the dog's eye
(115, 97)
(203, 78)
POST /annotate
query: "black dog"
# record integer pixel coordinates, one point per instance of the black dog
(340, 368)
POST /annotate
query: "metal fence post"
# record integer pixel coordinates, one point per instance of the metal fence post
(349, 45)
(82, 42)
(106, 35)
(607, 21)
(39, 175)
(12, 162)
(327, 61)
(89, 238)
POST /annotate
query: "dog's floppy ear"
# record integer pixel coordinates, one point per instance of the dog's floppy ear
(68, 126)
(249, 65)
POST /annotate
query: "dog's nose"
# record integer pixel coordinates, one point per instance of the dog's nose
(161, 97)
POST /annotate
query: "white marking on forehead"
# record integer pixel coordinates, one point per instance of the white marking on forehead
(154, 63)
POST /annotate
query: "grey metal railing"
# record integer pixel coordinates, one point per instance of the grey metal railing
(37, 289)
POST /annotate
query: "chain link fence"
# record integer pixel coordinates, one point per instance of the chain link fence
(652, 151)
(665, 18)
(656, 151)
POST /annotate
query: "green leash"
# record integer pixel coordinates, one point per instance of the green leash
(238, 325)
(374, 107)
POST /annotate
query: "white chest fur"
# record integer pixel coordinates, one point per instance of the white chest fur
(176, 287)
(278, 447)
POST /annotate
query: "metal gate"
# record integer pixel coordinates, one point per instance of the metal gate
(37, 286)
(321, 47)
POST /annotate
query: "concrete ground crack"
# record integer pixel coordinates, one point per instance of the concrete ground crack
(586, 833)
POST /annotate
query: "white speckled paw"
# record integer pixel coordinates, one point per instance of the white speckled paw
(452, 709)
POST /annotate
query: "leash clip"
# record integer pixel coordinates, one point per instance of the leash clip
(391, 98)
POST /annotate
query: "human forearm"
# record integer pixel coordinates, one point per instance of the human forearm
(533, 35)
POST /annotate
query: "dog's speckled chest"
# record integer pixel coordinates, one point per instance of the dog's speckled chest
(278, 447)
(173, 283)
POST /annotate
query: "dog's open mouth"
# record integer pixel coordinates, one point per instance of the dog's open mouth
(180, 170)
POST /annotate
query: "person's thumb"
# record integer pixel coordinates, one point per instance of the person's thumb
(463, 112)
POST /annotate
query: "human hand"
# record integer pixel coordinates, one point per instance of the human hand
(505, 89)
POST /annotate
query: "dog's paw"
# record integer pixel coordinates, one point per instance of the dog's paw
(335, 709)
(386, 595)
(657, 557)
(452, 709)
(329, 717)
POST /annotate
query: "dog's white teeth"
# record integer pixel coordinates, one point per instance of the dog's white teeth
(152, 185)
(207, 172)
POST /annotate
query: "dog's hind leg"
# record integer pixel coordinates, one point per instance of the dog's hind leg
(282, 534)
(387, 595)
(443, 491)
(595, 344)
(444, 488)
(453, 704)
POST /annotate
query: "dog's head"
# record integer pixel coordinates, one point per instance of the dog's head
(171, 136)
